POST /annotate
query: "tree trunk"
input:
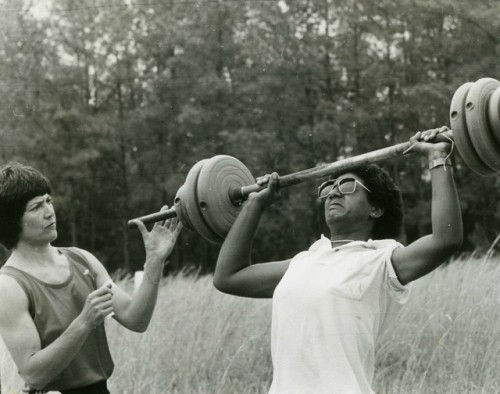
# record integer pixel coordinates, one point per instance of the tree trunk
(125, 197)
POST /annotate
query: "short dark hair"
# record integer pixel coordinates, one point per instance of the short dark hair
(386, 195)
(18, 185)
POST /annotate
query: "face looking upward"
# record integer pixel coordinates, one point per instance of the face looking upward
(39, 221)
(348, 204)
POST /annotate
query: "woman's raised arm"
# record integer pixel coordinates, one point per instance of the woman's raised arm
(430, 251)
(234, 273)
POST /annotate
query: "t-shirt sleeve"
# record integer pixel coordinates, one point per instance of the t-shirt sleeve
(398, 291)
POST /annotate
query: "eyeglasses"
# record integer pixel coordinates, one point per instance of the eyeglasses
(344, 185)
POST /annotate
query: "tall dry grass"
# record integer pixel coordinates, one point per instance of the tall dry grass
(446, 340)
(199, 341)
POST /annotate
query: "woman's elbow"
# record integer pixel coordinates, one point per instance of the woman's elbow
(451, 245)
(224, 284)
(456, 242)
(139, 327)
(219, 283)
(35, 380)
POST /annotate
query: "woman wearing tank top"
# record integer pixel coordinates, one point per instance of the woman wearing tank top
(54, 300)
(331, 301)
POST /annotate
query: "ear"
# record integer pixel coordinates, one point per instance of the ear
(376, 212)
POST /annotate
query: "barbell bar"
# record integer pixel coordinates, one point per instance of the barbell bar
(210, 199)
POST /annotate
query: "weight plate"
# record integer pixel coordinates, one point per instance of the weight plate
(494, 113)
(476, 105)
(218, 176)
(191, 206)
(461, 135)
(179, 210)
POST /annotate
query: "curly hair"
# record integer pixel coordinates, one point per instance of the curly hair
(386, 195)
(18, 185)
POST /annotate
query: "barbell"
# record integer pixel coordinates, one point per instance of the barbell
(211, 197)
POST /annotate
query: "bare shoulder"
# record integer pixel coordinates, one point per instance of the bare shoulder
(13, 299)
(93, 261)
(9, 285)
(87, 254)
(97, 266)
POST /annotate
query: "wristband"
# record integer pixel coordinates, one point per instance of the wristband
(441, 161)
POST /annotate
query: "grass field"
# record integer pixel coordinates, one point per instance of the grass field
(446, 340)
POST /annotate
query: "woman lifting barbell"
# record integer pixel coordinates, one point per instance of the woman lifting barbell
(54, 300)
(331, 301)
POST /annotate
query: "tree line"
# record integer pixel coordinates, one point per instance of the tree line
(116, 101)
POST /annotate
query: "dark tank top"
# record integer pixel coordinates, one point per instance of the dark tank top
(54, 307)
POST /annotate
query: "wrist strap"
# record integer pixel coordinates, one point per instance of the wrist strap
(441, 161)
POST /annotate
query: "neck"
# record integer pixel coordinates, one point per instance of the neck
(349, 237)
(339, 241)
(37, 254)
(350, 230)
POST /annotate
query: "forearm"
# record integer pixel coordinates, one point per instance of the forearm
(135, 312)
(46, 364)
(446, 216)
(235, 253)
(139, 311)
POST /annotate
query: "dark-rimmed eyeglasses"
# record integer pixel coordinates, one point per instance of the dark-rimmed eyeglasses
(344, 186)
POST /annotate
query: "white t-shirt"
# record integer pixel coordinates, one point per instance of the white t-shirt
(328, 310)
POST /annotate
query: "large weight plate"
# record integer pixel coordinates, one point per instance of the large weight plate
(191, 207)
(180, 210)
(494, 113)
(461, 135)
(476, 117)
(218, 176)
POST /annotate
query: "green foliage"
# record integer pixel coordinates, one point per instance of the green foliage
(116, 102)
